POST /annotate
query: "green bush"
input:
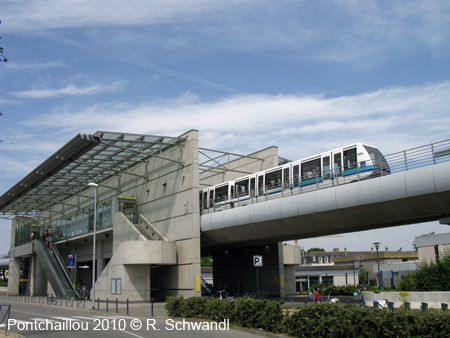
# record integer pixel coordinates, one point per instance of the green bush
(407, 283)
(315, 320)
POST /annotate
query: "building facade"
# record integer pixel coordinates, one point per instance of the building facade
(133, 200)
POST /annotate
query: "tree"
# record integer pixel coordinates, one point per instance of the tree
(315, 250)
(362, 276)
(206, 262)
(434, 276)
(2, 57)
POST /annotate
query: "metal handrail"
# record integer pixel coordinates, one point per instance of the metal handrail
(70, 278)
(52, 266)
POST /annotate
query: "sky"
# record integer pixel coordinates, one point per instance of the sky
(306, 76)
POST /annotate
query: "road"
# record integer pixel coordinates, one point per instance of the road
(34, 320)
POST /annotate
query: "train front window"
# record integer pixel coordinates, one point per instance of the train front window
(377, 158)
(350, 159)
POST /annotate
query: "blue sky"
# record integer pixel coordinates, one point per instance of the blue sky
(306, 76)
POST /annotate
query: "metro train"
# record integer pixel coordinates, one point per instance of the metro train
(339, 166)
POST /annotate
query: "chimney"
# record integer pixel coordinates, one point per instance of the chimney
(386, 249)
(345, 250)
(371, 250)
(400, 249)
(335, 249)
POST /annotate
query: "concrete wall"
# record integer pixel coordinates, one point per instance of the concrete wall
(434, 299)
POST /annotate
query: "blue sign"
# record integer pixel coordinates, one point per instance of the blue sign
(71, 261)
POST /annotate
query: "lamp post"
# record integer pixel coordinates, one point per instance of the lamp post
(95, 185)
(377, 246)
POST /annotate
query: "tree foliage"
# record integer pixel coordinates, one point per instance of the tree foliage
(206, 262)
(2, 57)
(315, 250)
(434, 276)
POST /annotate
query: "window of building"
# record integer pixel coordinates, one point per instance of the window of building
(328, 280)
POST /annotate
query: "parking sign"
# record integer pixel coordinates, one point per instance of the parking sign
(257, 261)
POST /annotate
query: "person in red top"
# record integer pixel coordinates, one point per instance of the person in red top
(318, 295)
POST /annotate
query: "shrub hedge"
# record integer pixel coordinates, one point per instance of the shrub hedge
(316, 320)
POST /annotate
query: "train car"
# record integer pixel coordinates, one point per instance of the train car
(339, 166)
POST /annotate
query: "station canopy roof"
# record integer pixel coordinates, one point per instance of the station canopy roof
(86, 158)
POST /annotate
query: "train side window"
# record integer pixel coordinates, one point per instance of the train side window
(350, 159)
(286, 178)
(273, 179)
(337, 164)
(221, 193)
(241, 188)
(311, 169)
(326, 168)
(295, 175)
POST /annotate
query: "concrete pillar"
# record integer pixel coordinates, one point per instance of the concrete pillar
(32, 275)
(13, 275)
(99, 256)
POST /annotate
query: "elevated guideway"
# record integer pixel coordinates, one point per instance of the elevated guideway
(417, 190)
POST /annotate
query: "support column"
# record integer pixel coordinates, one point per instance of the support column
(32, 275)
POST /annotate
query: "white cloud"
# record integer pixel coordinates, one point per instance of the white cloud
(352, 31)
(70, 90)
(300, 125)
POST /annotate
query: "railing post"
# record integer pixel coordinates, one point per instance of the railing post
(424, 307)
(117, 306)
(128, 308)
(432, 153)
(106, 304)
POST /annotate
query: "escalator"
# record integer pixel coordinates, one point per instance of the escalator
(206, 288)
(57, 273)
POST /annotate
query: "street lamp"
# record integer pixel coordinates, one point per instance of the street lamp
(95, 185)
(377, 246)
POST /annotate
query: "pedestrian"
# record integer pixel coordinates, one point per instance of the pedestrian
(318, 295)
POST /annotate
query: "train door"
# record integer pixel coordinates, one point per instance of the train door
(252, 187)
(295, 175)
(260, 184)
(350, 162)
(337, 164)
(286, 178)
(326, 165)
